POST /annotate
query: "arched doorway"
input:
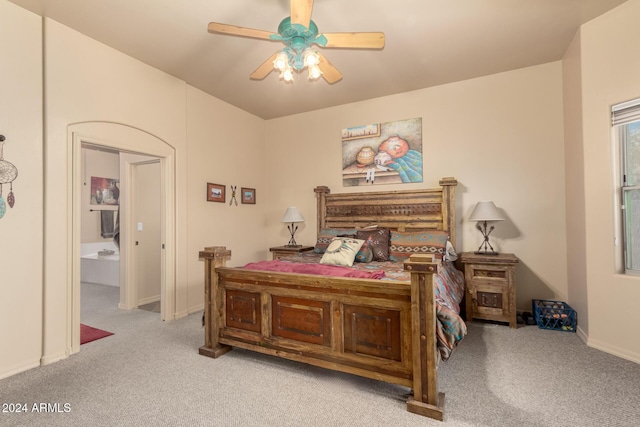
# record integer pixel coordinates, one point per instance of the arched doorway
(130, 140)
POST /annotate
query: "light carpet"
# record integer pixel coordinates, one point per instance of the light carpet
(150, 373)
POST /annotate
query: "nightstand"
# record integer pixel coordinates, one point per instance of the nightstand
(490, 287)
(285, 251)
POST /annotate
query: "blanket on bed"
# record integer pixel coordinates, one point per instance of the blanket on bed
(449, 288)
(318, 269)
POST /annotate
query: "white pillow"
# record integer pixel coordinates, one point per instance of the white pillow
(341, 251)
(450, 253)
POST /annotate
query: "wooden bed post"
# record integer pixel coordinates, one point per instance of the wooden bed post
(322, 203)
(448, 185)
(426, 399)
(214, 256)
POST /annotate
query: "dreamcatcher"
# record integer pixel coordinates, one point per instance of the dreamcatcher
(8, 173)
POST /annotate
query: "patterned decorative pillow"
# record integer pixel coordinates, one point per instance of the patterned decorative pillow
(326, 235)
(403, 244)
(341, 251)
(365, 254)
(379, 241)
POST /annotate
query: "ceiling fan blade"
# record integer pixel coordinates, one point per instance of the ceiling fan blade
(264, 69)
(329, 72)
(233, 30)
(301, 12)
(355, 40)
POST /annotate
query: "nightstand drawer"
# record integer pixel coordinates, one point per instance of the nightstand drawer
(488, 273)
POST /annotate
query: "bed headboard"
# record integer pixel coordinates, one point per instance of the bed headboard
(408, 210)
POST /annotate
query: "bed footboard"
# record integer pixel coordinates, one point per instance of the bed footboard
(359, 326)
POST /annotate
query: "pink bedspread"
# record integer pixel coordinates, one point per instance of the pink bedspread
(319, 269)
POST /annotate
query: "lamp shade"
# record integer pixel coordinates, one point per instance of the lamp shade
(292, 215)
(485, 211)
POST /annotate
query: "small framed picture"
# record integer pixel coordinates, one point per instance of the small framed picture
(216, 193)
(248, 195)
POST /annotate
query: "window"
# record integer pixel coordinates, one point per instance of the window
(626, 119)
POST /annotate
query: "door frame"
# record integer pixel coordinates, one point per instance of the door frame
(121, 138)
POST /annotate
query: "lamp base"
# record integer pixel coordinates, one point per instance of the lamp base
(292, 242)
(485, 245)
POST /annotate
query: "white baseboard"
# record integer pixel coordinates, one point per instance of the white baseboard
(616, 351)
(582, 335)
(48, 360)
(189, 311)
(196, 309)
(148, 300)
(19, 368)
(598, 345)
(181, 314)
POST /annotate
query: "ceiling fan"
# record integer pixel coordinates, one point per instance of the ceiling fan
(298, 33)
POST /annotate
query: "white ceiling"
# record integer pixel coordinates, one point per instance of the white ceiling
(428, 42)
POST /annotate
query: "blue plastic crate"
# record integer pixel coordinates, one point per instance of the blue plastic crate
(556, 315)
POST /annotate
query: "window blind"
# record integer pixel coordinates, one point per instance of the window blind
(625, 112)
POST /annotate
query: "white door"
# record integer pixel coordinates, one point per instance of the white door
(146, 232)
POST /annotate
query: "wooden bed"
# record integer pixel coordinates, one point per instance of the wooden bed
(380, 330)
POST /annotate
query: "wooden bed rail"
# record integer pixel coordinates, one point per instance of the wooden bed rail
(414, 365)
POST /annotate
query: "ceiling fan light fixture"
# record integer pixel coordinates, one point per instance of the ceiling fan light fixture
(314, 72)
(287, 74)
(299, 33)
(311, 57)
(281, 61)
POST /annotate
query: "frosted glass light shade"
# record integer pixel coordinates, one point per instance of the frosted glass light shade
(292, 215)
(485, 211)
(281, 61)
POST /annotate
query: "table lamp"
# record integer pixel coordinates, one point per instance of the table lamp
(483, 212)
(292, 215)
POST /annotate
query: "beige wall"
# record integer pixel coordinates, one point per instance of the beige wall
(20, 228)
(100, 164)
(87, 81)
(501, 136)
(578, 294)
(610, 58)
(230, 151)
